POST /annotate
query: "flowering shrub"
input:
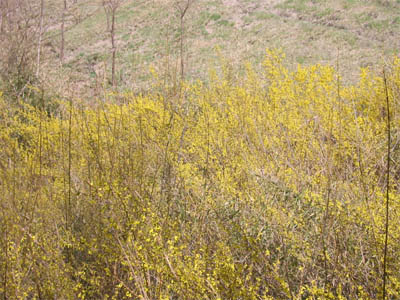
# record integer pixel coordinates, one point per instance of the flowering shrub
(271, 187)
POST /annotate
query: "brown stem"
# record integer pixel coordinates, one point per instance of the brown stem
(63, 32)
(114, 49)
(68, 210)
(181, 46)
(6, 262)
(387, 186)
(39, 48)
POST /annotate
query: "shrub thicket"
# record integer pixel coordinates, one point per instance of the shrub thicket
(268, 188)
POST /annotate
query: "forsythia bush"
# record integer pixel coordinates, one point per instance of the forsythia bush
(271, 186)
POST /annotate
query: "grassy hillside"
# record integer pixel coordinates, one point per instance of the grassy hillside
(348, 33)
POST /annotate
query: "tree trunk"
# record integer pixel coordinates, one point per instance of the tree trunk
(3, 11)
(114, 49)
(39, 47)
(181, 48)
(62, 32)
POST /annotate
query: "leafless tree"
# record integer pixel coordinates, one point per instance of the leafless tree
(182, 7)
(111, 7)
(64, 11)
(3, 12)
(39, 45)
(18, 38)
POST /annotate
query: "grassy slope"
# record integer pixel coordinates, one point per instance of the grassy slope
(360, 33)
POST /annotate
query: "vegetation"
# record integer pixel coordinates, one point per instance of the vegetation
(270, 185)
(154, 150)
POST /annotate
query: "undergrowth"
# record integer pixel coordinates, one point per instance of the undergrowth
(268, 186)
